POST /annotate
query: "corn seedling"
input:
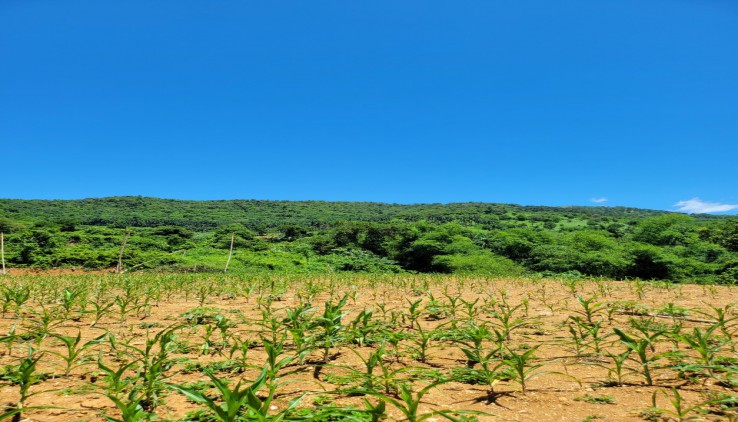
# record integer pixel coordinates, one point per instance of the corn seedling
(589, 309)
(506, 320)
(152, 365)
(408, 403)
(585, 335)
(641, 347)
(130, 408)
(74, 349)
(330, 326)
(680, 410)
(24, 375)
(705, 344)
(421, 343)
(521, 369)
(237, 402)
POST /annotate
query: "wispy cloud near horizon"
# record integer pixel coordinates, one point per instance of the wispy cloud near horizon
(698, 206)
(599, 200)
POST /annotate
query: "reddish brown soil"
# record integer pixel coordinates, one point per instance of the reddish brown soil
(552, 394)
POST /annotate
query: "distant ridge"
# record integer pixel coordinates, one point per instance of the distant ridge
(140, 211)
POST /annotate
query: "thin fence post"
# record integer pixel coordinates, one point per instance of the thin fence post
(2, 250)
(119, 268)
(230, 252)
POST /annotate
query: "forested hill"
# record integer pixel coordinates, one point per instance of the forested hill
(261, 215)
(318, 236)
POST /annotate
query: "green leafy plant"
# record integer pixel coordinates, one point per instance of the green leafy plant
(24, 375)
(233, 401)
(74, 349)
(330, 326)
(408, 402)
(522, 369)
(129, 406)
(592, 399)
(680, 410)
(642, 347)
(152, 362)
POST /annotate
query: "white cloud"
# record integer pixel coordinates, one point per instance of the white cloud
(698, 206)
(599, 200)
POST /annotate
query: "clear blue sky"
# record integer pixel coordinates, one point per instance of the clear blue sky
(567, 102)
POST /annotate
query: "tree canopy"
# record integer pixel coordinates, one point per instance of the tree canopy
(317, 236)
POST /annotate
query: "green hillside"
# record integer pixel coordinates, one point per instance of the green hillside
(318, 236)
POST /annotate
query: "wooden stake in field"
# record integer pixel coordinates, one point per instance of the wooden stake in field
(230, 253)
(119, 268)
(2, 250)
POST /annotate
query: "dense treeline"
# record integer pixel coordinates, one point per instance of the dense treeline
(316, 236)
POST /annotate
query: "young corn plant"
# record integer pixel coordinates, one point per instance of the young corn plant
(17, 296)
(239, 404)
(363, 329)
(330, 326)
(618, 372)
(126, 304)
(153, 362)
(706, 344)
(223, 325)
(24, 375)
(506, 320)
(585, 335)
(390, 378)
(649, 329)
(589, 309)
(521, 369)
(408, 403)
(6, 299)
(673, 311)
(115, 380)
(368, 379)
(725, 318)
(643, 348)
(239, 350)
(299, 322)
(394, 338)
(70, 298)
(10, 339)
(74, 349)
(413, 312)
(271, 325)
(129, 406)
(274, 364)
(544, 296)
(453, 303)
(482, 364)
(207, 341)
(472, 341)
(102, 307)
(233, 402)
(44, 322)
(421, 343)
(470, 308)
(680, 410)
(434, 309)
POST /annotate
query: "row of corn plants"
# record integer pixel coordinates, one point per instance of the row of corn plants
(274, 348)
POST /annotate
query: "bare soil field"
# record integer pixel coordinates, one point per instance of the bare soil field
(143, 347)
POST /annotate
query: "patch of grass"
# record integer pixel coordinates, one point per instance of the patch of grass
(200, 415)
(589, 398)
(225, 366)
(201, 315)
(79, 390)
(653, 414)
